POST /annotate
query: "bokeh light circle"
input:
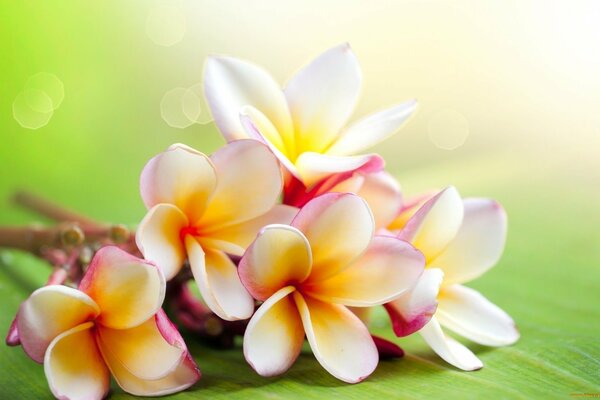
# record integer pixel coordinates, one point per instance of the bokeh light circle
(49, 84)
(165, 25)
(448, 129)
(195, 106)
(172, 108)
(27, 106)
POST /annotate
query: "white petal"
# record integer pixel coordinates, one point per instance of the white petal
(274, 336)
(182, 377)
(372, 129)
(180, 176)
(388, 268)
(159, 238)
(249, 183)
(48, 312)
(218, 282)
(338, 338)
(322, 96)
(127, 289)
(466, 312)
(258, 127)
(435, 224)
(230, 83)
(339, 227)
(235, 239)
(449, 349)
(413, 310)
(314, 167)
(74, 367)
(478, 245)
(279, 256)
(142, 350)
(382, 193)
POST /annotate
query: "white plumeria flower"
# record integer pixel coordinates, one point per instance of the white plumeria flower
(206, 208)
(461, 240)
(112, 324)
(305, 123)
(308, 273)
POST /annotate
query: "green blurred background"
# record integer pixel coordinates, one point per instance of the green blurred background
(509, 94)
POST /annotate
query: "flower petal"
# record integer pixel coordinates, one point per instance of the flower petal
(12, 337)
(372, 129)
(185, 374)
(339, 227)
(409, 207)
(466, 312)
(322, 96)
(350, 185)
(274, 336)
(48, 312)
(436, 223)
(479, 243)
(74, 367)
(382, 193)
(235, 239)
(449, 349)
(230, 83)
(413, 310)
(339, 340)
(158, 238)
(258, 127)
(218, 281)
(387, 350)
(249, 183)
(180, 176)
(314, 167)
(388, 268)
(142, 350)
(128, 290)
(280, 256)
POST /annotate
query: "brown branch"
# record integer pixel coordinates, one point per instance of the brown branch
(53, 211)
(36, 239)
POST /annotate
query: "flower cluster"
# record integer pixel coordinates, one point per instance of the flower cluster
(288, 226)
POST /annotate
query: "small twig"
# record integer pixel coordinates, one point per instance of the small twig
(51, 210)
(35, 238)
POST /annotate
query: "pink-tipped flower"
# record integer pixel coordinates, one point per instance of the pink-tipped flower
(308, 273)
(305, 124)
(112, 324)
(461, 240)
(203, 209)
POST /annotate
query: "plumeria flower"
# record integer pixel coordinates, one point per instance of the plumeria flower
(305, 124)
(112, 324)
(308, 273)
(461, 240)
(203, 209)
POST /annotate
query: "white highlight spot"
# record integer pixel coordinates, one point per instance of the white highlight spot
(195, 106)
(172, 108)
(165, 25)
(448, 129)
(49, 84)
(32, 108)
